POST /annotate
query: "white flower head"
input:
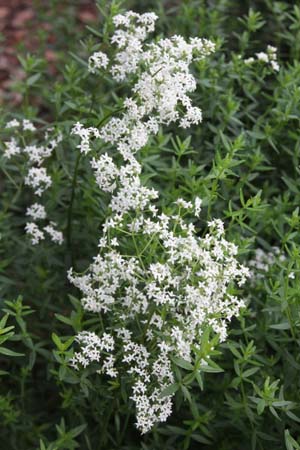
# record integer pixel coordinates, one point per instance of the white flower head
(98, 60)
(36, 211)
(14, 123)
(38, 179)
(11, 148)
(28, 125)
(34, 232)
(55, 235)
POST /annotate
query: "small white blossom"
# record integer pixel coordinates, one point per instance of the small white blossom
(36, 211)
(85, 136)
(249, 61)
(262, 56)
(98, 60)
(268, 57)
(275, 66)
(198, 203)
(34, 232)
(28, 125)
(263, 261)
(13, 124)
(37, 154)
(106, 172)
(56, 236)
(11, 148)
(183, 204)
(38, 179)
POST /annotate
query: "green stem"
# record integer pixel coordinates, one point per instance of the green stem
(138, 254)
(288, 311)
(124, 429)
(103, 120)
(70, 209)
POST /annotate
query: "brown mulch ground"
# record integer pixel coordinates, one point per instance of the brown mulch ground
(18, 22)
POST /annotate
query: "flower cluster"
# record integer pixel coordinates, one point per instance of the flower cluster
(269, 57)
(98, 60)
(155, 282)
(164, 80)
(263, 261)
(174, 295)
(37, 177)
(94, 349)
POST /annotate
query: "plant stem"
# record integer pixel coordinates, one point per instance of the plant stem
(70, 209)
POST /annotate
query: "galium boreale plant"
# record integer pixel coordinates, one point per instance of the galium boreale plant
(157, 299)
(159, 282)
(31, 153)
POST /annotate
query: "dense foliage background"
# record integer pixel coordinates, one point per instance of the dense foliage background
(243, 161)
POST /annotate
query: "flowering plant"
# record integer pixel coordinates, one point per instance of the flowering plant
(156, 285)
(149, 218)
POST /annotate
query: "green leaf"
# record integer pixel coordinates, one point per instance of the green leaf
(261, 406)
(8, 352)
(199, 380)
(281, 326)
(78, 430)
(293, 416)
(33, 79)
(170, 390)
(6, 330)
(64, 319)
(234, 351)
(3, 321)
(42, 445)
(250, 372)
(290, 442)
(201, 439)
(182, 363)
(57, 341)
(274, 412)
(282, 403)
(186, 394)
(210, 369)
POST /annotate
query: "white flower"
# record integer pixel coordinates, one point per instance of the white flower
(262, 56)
(36, 211)
(198, 203)
(93, 349)
(183, 204)
(27, 125)
(193, 117)
(269, 57)
(98, 60)
(106, 172)
(85, 135)
(12, 124)
(11, 148)
(56, 236)
(37, 154)
(38, 179)
(35, 233)
(275, 66)
(249, 61)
